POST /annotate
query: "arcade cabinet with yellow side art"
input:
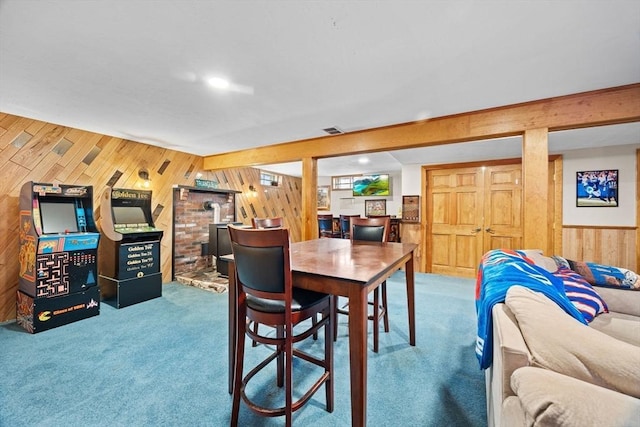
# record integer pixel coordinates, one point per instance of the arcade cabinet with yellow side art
(58, 252)
(129, 268)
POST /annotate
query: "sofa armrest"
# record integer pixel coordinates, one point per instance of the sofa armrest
(620, 300)
(510, 352)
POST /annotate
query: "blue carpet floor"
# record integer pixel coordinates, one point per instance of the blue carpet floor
(164, 363)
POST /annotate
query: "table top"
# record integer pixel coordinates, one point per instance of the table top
(358, 261)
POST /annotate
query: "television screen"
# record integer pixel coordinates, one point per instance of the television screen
(371, 185)
(58, 217)
(128, 215)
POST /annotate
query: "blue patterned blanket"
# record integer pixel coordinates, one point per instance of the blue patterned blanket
(499, 270)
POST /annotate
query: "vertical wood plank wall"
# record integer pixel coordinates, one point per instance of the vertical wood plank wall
(265, 201)
(32, 150)
(603, 245)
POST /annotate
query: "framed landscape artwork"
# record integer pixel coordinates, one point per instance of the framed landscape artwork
(375, 207)
(597, 188)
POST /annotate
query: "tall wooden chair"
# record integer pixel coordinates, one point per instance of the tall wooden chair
(325, 226)
(267, 222)
(266, 295)
(373, 230)
(345, 225)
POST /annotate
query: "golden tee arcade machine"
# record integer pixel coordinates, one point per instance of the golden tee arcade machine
(58, 256)
(129, 268)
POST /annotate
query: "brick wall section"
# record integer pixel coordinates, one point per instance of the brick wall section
(191, 224)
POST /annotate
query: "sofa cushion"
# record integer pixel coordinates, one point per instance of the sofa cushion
(621, 300)
(619, 325)
(560, 343)
(552, 399)
(513, 415)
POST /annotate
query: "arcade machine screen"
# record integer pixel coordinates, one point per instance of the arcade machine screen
(58, 217)
(129, 215)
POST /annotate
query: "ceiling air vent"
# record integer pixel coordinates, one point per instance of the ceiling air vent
(335, 130)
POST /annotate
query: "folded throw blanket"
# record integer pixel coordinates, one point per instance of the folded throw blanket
(499, 270)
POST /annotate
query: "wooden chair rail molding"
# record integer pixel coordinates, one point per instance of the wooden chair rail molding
(601, 227)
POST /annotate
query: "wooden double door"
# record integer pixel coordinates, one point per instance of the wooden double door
(471, 210)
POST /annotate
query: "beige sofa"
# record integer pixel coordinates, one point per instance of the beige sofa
(549, 369)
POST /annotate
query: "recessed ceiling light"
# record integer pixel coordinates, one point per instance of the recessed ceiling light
(363, 160)
(219, 83)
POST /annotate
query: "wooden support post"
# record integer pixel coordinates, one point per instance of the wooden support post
(535, 181)
(309, 198)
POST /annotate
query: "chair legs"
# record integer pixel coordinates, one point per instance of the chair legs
(376, 318)
(283, 354)
(241, 323)
(384, 304)
(379, 311)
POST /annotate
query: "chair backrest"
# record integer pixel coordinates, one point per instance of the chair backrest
(325, 223)
(345, 225)
(373, 229)
(267, 222)
(262, 261)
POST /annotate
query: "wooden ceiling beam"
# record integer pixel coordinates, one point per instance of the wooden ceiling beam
(595, 108)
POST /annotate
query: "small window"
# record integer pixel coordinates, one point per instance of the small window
(270, 179)
(342, 182)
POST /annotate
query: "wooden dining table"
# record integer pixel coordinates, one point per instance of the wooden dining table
(349, 269)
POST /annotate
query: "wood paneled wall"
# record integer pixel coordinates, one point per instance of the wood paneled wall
(32, 150)
(603, 245)
(266, 201)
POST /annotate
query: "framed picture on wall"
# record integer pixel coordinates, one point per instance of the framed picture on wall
(375, 207)
(411, 208)
(324, 198)
(597, 188)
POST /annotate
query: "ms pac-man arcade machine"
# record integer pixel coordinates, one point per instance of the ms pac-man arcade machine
(58, 256)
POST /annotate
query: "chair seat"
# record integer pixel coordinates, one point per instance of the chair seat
(302, 299)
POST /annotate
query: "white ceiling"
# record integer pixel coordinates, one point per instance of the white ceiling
(136, 69)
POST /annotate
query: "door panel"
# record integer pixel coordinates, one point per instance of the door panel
(454, 200)
(502, 227)
(471, 210)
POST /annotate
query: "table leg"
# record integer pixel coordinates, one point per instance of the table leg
(358, 355)
(232, 323)
(411, 306)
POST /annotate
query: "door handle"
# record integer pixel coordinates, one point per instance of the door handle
(476, 230)
(489, 230)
